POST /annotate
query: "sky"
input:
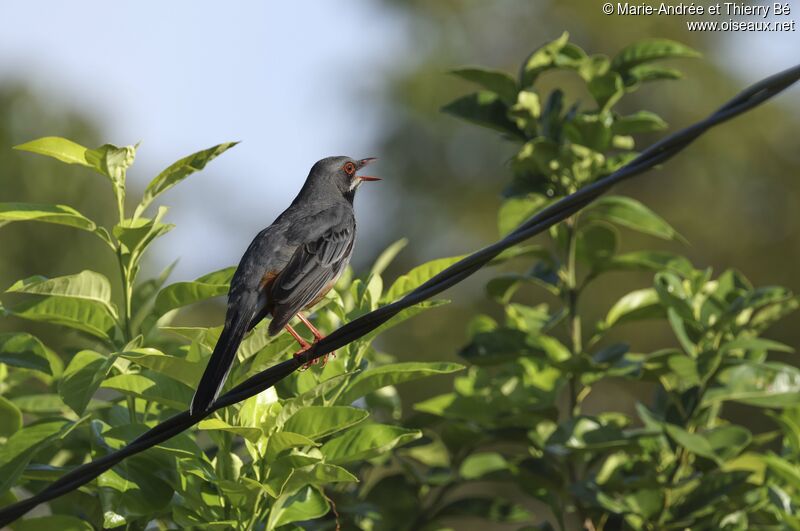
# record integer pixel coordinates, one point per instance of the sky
(294, 81)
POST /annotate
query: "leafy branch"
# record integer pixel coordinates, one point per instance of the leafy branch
(285, 463)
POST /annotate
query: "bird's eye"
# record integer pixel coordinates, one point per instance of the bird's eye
(349, 168)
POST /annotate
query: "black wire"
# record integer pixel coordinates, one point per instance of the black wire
(652, 156)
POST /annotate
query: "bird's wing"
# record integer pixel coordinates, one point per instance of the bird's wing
(325, 244)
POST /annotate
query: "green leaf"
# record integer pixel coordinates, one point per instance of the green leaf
(592, 130)
(316, 422)
(133, 488)
(636, 305)
(61, 522)
(479, 464)
(364, 442)
(728, 441)
(24, 350)
(607, 90)
(679, 328)
(418, 276)
(135, 234)
(695, 443)
(587, 433)
(754, 343)
(39, 403)
(375, 378)
(152, 386)
(317, 474)
(646, 261)
(86, 285)
(639, 122)
(58, 214)
(306, 504)
(673, 295)
(649, 50)
(769, 385)
(180, 369)
(596, 243)
(645, 73)
(525, 112)
(518, 209)
(181, 445)
(82, 377)
(284, 440)
(632, 214)
(251, 434)
(84, 315)
(273, 350)
(495, 81)
(685, 369)
(483, 108)
(10, 417)
(787, 471)
(112, 520)
(20, 448)
(178, 171)
(559, 53)
(185, 293)
(113, 162)
(58, 148)
(711, 488)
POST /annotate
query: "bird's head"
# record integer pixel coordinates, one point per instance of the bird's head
(341, 172)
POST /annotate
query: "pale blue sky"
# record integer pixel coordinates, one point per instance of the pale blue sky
(295, 81)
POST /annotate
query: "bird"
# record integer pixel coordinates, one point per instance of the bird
(289, 267)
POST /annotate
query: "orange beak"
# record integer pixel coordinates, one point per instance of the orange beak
(361, 164)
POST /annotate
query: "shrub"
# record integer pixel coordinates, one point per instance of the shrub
(515, 435)
(265, 462)
(512, 434)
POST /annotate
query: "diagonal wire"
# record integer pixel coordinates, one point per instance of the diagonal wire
(652, 156)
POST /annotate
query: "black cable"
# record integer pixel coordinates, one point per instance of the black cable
(652, 156)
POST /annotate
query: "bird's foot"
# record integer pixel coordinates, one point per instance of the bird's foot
(323, 360)
(304, 345)
(300, 353)
(326, 356)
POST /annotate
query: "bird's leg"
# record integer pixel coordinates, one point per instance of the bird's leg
(317, 334)
(304, 345)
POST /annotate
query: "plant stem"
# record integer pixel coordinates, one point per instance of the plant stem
(573, 318)
(127, 292)
(575, 338)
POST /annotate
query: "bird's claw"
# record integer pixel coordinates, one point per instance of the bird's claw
(323, 359)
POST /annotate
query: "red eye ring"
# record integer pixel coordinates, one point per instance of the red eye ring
(349, 168)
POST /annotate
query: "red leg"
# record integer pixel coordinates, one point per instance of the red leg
(310, 326)
(317, 334)
(304, 345)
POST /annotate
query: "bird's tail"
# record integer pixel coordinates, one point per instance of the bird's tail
(219, 365)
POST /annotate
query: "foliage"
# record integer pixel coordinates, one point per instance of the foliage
(516, 441)
(266, 463)
(517, 427)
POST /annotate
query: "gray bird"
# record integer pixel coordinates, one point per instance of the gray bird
(289, 266)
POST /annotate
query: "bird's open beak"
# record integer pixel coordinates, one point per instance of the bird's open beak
(363, 162)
